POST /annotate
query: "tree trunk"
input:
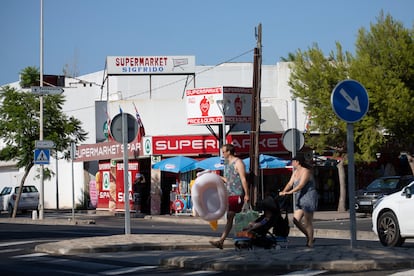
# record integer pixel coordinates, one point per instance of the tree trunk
(342, 186)
(410, 159)
(16, 203)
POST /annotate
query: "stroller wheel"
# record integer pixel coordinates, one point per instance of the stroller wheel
(243, 244)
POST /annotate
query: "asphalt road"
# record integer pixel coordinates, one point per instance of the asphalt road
(17, 242)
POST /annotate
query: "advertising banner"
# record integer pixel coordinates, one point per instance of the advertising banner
(107, 150)
(150, 65)
(207, 106)
(110, 185)
(208, 144)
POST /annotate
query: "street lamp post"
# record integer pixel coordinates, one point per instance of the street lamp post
(42, 185)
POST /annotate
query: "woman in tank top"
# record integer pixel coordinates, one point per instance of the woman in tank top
(302, 185)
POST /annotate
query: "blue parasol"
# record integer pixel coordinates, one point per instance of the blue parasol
(178, 164)
(267, 162)
(212, 163)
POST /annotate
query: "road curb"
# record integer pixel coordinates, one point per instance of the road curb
(283, 259)
(121, 243)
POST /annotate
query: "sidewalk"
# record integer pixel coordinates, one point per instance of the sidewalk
(339, 257)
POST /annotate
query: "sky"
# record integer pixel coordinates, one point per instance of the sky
(80, 34)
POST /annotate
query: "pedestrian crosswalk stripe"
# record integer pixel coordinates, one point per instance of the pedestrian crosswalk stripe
(29, 255)
(403, 273)
(125, 270)
(306, 272)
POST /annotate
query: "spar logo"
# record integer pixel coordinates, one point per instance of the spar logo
(147, 146)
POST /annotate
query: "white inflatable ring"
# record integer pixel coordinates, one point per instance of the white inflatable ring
(209, 196)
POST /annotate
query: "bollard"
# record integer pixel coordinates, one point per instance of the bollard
(34, 215)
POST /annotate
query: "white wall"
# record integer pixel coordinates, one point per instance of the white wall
(162, 110)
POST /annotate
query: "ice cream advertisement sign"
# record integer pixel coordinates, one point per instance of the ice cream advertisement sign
(212, 105)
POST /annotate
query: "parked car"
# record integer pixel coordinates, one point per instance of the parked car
(29, 199)
(392, 218)
(366, 198)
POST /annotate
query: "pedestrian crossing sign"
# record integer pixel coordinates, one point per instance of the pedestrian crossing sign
(41, 156)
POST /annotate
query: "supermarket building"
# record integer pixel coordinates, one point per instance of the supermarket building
(155, 87)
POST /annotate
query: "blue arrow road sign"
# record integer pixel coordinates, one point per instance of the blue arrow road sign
(350, 100)
(41, 156)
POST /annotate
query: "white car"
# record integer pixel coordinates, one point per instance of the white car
(29, 199)
(392, 218)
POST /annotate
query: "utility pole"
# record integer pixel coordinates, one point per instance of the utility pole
(255, 117)
(222, 130)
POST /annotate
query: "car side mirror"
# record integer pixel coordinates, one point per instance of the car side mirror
(407, 192)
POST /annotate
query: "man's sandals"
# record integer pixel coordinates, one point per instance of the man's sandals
(218, 244)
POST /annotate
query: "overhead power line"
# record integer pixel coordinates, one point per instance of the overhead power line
(168, 84)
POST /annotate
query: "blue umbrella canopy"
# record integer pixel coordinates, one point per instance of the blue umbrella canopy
(267, 162)
(178, 164)
(212, 163)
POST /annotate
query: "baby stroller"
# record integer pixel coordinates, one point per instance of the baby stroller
(270, 230)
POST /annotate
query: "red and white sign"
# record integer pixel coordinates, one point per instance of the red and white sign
(204, 105)
(106, 150)
(208, 144)
(149, 65)
(110, 187)
(179, 145)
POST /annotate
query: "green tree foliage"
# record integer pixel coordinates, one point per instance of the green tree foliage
(312, 80)
(290, 57)
(20, 126)
(384, 63)
(30, 76)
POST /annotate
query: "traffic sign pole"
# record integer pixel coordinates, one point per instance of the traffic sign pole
(351, 181)
(124, 129)
(72, 157)
(350, 102)
(126, 178)
(40, 90)
(42, 192)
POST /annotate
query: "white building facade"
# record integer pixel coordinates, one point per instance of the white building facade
(161, 103)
